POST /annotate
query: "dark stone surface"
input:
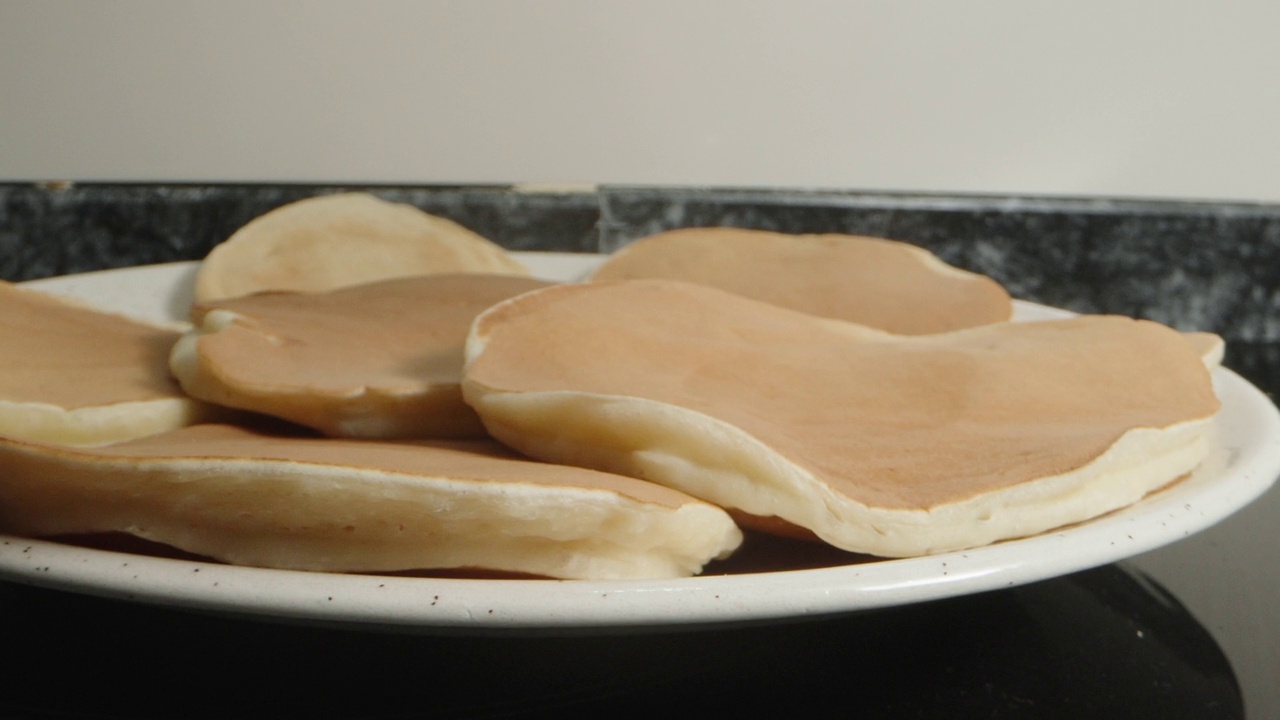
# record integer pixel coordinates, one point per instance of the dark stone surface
(1195, 266)
(47, 231)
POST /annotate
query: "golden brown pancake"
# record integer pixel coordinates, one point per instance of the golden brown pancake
(881, 283)
(73, 375)
(878, 443)
(379, 360)
(332, 241)
(252, 498)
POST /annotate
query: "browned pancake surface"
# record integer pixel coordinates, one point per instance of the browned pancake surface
(72, 356)
(890, 421)
(882, 283)
(382, 359)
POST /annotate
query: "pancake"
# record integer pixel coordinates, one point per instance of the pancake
(379, 360)
(884, 444)
(332, 241)
(1209, 346)
(73, 375)
(251, 498)
(885, 284)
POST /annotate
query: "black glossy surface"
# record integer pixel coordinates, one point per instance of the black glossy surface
(1100, 644)
(1103, 643)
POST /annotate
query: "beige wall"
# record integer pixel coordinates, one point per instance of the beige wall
(1164, 99)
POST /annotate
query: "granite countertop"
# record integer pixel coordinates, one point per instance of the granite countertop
(1189, 630)
(1187, 264)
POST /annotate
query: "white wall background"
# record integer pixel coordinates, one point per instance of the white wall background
(1165, 99)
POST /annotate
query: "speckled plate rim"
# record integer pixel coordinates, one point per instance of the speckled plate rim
(1245, 465)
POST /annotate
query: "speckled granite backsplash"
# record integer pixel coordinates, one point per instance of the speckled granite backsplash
(1196, 266)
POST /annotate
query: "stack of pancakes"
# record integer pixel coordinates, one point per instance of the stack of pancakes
(363, 387)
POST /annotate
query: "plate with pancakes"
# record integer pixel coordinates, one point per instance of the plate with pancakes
(711, 457)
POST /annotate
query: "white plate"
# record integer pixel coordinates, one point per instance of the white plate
(1246, 464)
